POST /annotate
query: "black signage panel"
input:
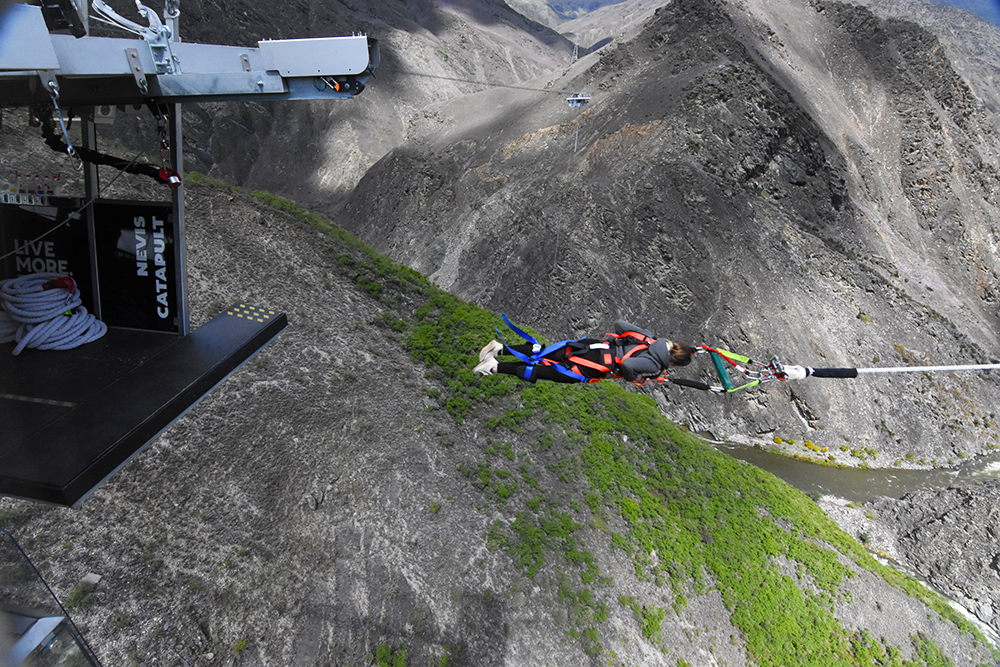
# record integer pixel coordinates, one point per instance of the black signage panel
(134, 250)
(50, 238)
(137, 272)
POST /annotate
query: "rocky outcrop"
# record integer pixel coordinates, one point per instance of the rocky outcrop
(971, 41)
(951, 538)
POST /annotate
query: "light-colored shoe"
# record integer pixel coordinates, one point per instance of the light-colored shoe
(491, 350)
(487, 367)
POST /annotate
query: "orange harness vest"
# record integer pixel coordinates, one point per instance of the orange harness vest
(611, 364)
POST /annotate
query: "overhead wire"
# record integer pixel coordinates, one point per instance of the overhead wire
(487, 84)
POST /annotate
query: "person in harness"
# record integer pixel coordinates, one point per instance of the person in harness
(631, 352)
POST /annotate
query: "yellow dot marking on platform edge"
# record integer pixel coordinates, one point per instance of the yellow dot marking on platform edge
(251, 312)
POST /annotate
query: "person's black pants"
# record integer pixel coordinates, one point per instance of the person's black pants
(544, 372)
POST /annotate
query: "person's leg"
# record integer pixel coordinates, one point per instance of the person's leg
(540, 372)
(488, 361)
(525, 348)
(545, 372)
(491, 364)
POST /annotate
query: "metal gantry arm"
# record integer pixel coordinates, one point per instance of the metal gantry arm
(105, 70)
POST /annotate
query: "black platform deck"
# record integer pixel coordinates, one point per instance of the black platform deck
(70, 419)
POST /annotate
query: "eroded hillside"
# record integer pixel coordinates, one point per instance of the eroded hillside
(809, 181)
(354, 495)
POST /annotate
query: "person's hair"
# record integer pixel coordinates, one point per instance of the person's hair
(680, 354)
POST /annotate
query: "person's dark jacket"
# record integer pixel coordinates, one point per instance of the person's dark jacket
(645, 363)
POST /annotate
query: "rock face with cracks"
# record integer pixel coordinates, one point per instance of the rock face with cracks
(950, 538)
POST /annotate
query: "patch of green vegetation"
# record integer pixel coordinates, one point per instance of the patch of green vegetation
(239, 646)
(568, 470)
(512, 420)
(496, 481)
(389, 322)
(386, 657)
(864, 453)
(593, 646)
(526, 475)
(649, 619)
(447, 335)
(81, 596)
(508, 451)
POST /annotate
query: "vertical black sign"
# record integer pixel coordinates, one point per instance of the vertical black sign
(136, 267)
(46, 239)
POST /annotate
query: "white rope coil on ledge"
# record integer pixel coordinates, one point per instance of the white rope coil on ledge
(44, 311)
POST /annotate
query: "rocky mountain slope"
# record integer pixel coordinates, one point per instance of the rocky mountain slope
(597, 28)
(973, 43)
(559, 11)
(354, 495)
(950, 537)
(804, 180)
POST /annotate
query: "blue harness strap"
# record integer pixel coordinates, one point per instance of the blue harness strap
(538, 353)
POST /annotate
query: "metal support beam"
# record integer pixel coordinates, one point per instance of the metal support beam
(176, 136)
(103, 70)
(92, 187)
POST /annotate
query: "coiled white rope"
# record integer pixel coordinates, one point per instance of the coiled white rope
(44, 311)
